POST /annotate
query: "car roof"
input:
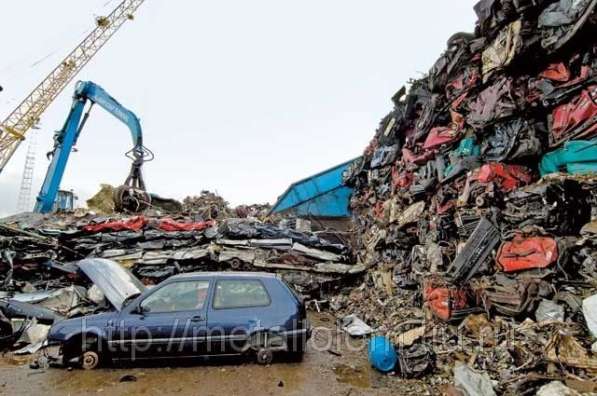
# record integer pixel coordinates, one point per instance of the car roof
(230, 274)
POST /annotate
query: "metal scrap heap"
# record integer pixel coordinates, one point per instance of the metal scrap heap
(476, 204)
(37, 249)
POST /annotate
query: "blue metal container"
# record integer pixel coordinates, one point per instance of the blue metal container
(382, 354)
(321, 195)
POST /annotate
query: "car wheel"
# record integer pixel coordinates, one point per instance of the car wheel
(264, 356)
(236, 264)
(90, 360)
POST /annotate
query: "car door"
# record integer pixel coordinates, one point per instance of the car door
(169, 321)
(235, 312)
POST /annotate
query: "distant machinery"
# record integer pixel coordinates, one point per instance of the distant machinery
(131, 196)
(15, 127)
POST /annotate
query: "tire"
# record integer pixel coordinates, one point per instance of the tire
(236, 264)
(264, 356)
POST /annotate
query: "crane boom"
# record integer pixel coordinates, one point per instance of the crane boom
(66, 138)
(28, 113)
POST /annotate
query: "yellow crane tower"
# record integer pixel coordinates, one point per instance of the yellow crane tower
(14, 128)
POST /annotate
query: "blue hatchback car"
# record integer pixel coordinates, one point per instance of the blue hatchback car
(188, 315)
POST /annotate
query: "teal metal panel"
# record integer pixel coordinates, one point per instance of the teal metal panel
(320, 195)
(576, 157)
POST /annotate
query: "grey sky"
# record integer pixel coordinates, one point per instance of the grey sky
(240, 97)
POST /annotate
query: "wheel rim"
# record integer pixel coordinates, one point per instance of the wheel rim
(264, 356)
(235, 264)
(90, 360)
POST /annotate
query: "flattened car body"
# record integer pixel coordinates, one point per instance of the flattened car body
(576, 119)
(445, 302)
(527, 253)
(575, 157)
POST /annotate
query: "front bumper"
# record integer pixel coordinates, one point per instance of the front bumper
(52, 352)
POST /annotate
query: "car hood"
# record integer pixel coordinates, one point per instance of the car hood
(116, 282)
(62, 330)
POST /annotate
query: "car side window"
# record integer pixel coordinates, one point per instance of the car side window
(239, 293)
(177, 296)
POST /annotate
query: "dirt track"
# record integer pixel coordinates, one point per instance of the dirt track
(321, 373)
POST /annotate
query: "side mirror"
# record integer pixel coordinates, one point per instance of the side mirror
(141, 309)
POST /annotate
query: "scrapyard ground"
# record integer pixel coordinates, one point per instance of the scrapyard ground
(321, 372)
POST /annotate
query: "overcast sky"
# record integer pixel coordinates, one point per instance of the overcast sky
(239, 97)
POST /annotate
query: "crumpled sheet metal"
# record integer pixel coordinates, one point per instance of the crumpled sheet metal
(479, 327)
(574, 157)
(562, 20)
(409, 337)
(472, 382)
(556, 388)
(33, 336)
(250, 229)
(168, 224)
(576, 119)
(476, 250)
(566, 349)
(416, 361)
(355, 326)
(507, 177)
(61, 301)
(589, 308)
(494, 103)
(548, 311)
(515, 299)
(17, 309)
(510, 140)
(527, 253)
(445, 302)
(558, 206)
(409, 215)
(504, 48)
(384, 156)
(136, 223)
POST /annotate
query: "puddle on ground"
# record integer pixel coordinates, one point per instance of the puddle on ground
(284, 376)
(14, 360)
(355, 376)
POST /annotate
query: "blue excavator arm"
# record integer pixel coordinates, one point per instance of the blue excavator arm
(66, 138)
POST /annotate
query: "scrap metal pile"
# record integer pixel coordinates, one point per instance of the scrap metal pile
(476, 203)
(34, 248)
(209, 205)
(41, 279)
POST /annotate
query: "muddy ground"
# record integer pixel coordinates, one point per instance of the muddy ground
(333, 365)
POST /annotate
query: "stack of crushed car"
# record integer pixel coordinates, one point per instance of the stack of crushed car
(476, 203)
(41, 279)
